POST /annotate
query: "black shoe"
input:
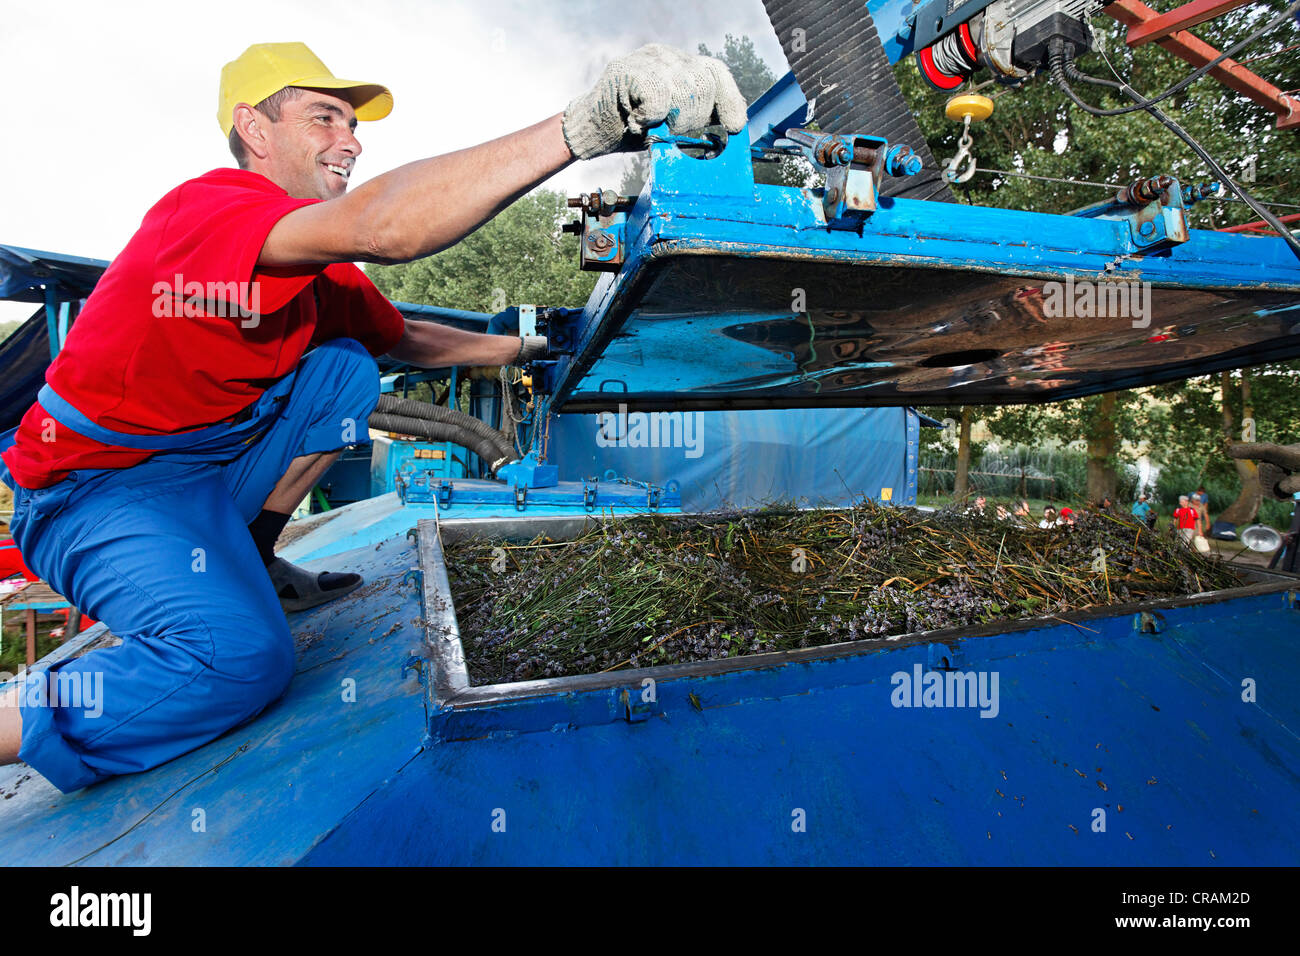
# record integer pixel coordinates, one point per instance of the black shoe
(299, 590)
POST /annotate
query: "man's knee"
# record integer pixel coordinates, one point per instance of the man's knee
(345, 377)
(251, 665)
(345, 364)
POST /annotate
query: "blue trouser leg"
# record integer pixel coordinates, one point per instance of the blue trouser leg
(161, 554)
(336, 389)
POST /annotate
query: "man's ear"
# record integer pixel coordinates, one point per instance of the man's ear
(248, 122)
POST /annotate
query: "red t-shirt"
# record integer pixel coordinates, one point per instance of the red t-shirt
(183, 330)
(1186, 517)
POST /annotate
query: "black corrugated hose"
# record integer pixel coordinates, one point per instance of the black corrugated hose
(408, 417)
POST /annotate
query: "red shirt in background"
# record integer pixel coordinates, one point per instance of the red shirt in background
(1186, 517)
(149, 356)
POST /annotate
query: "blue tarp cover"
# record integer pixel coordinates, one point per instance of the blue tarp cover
(745, 459)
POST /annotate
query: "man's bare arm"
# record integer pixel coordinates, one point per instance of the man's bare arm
(422, 207)
(433, 345)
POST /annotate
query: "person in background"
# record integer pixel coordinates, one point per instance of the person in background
(1201, 502)
(1021, 511)
(1049, 518)
(1107, 504)
(1003, 514)
(981, 503)
(1187, 518)
(1142, 510)
(1067, 516)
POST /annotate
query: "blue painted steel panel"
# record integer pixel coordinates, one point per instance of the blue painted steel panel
(736, 295)
(1150, 729)
(1094, 714)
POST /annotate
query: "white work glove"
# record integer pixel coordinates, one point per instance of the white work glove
(531, 347)
(1279, 467)
(645, 88)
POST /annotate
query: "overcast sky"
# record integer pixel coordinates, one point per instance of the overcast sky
(114, 103)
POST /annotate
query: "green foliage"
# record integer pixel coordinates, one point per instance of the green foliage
(519, 257)
(752, 74)
(1182, 479)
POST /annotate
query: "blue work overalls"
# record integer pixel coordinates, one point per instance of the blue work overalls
(160, 552)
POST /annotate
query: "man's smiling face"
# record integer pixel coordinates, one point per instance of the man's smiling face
(312, 149)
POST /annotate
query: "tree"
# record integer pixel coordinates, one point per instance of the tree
(961, 482)
(521, 256)
(1246, 507)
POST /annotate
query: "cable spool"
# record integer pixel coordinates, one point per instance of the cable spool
(949, 62)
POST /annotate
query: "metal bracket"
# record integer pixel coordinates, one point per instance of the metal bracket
(528, 320)
(1154, 210)
(414, 663)
(589, 493)
(601, 246)
(444, 493)
(1149, 622)
(942, 657)
(652, 497)
(635, 710)
(414, 577)
(854, 165)
(521, 494)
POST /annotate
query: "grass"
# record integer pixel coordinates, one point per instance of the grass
(13, 654)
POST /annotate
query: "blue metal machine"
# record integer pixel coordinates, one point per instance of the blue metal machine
(722, 296)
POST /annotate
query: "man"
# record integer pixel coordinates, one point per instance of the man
(182, 421)
(1200, 500)
(1049, 518)
(1187, 518)
(1141, 509)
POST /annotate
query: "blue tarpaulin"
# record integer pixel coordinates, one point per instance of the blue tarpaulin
(745, 459)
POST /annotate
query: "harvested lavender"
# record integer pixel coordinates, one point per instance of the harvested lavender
(654, 589)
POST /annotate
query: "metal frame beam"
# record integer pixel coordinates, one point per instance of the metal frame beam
(1137, 15)
(1180, 18)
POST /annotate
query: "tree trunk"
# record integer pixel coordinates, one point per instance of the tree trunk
(1102, 480)
(1246, 507)
(961, 484)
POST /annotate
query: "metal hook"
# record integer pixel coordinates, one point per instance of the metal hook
(953, 172)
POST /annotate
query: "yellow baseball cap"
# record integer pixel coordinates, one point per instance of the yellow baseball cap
(266, 68)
